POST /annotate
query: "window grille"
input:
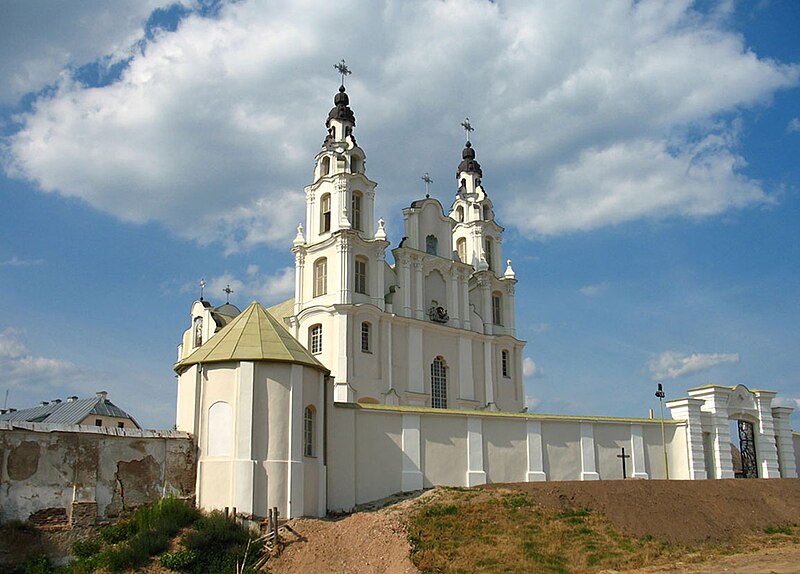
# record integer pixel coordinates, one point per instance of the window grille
(361, 276)
(315, 339)
(308, 431)
(320, 277)
(438, 384)
(365, 332)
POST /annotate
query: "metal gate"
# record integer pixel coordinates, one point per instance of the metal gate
(747, 446)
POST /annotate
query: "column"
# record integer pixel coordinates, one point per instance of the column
(466, 381)
(509, 317)
(689, 410)
(475, 473)
(783, 436)
(405, 285)
(766, 449)
(588, 467)
(464, 281)
(312, 225)
(535, 453)
(299, 266)
(637, 452)
(295, 495)
(411, 478)
(419, 309)
(377, 286)
(488, 371)
(486, 312)
(345, 293)
(244, 466)
(454, 302)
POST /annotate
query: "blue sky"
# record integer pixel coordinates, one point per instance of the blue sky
(643, 158)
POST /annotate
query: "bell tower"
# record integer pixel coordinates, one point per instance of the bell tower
(477, 238)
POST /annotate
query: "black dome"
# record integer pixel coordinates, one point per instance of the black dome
(468, 162)
(341, 111)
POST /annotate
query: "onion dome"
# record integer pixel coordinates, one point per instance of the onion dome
(468, 163)
(341, 111)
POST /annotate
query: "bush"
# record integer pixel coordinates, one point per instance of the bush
(179, 561)
(117, 532)
(38, 565)
(219, 544)
(86, 548)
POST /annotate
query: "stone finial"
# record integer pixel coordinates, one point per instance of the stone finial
(482, 264)
(299, 239)
(509, 274)
(381, 232)
(344, 221)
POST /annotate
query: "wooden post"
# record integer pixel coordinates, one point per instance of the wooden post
(275, 531)
(226, 512)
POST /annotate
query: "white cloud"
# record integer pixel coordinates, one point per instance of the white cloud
(794, 125)
(593, 290)
(38, 39)
(538, 327)
(587, 115)
(670, 365)
(34, 375)
(17, 262)
(265, 288)
(530, 369)
(786, 402)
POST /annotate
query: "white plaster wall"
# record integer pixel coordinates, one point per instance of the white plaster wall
(562, 450)
(505, 445)
(444, 450)
(609, 439)
(379, 455)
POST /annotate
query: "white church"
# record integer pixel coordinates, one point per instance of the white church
(380, 377)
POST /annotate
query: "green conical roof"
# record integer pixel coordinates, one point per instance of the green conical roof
(254, 335)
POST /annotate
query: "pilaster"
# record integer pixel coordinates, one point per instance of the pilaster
(766, 450)
(588, 465)
(689, 410)
(637, 452)
(783, 438)
(535, 453)
(475, 473)
(412, 473)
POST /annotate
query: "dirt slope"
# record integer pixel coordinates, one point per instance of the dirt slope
(688, 512)
(681, 511)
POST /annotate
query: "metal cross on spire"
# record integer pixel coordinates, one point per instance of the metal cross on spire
(228, 292)
(467, 128)
(342, 68)
(202, 287)
(428, 181)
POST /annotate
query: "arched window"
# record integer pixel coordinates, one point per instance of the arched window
(431, 245)
(320, 276)
(460, 214)
(325, 213)
(355, 211)
(355, 164)
(504, 364)
(438, 384)
(308, 431)
(497, 308)
(326, 166)
(461, 249)
(361, 275)
(366, 345)
(487, 250)
(487, 212)
(315, 339)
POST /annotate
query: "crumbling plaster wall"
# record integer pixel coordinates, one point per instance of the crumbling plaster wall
(47, 471)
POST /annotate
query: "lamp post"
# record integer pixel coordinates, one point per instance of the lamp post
(660, 395)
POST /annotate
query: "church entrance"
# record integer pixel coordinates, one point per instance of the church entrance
(747, 450)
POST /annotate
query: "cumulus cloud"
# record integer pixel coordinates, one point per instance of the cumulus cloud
(670, 365)
(587, 115)
(794, 125)
(267, 289)
(35, 375)
(593, 290)
(786, 402)
(39, 39)
(530, 369)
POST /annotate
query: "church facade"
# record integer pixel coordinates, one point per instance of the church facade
(379, 376)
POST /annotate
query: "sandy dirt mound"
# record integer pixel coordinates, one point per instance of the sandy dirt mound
(365, 542)
(678, 511)
(784, 560)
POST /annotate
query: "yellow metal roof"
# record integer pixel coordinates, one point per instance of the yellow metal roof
(281, 311)
(254, 335)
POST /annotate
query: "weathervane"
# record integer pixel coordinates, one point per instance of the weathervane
(202, 286)
(228, 292)
(467, 128)
(342, 68)
(428, 181)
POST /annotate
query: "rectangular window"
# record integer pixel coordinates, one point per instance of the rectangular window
(315, 339)
(365, 348)
(308, 432)
(98, 422)
(325, 214)
(361, 276)
(438, 384)
(120, 425)
(504, 361)
(497, 309)
(461, 247)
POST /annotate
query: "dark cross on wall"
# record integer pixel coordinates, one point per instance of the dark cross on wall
(623, 456)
